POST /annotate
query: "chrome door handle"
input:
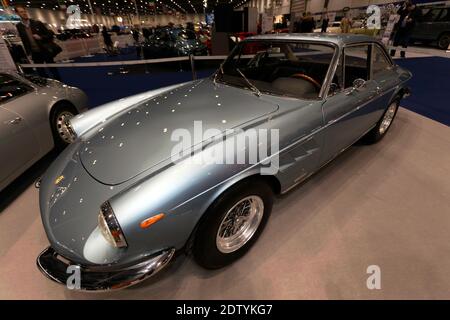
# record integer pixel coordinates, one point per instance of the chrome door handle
(349, 92)
(14, 121)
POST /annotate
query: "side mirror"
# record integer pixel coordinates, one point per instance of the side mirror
(333, 89)
(357, 84)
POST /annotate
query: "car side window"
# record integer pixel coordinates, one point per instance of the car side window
(430, 15)
(337, 82)
(380, 62)
(445, 16)
(11, 88)
(356, 64)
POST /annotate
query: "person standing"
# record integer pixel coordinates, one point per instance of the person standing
(107, 40)
(346, 24)
(37, 41)
(312, 23)
(303, 23)
(135, 34)
(325, 21)
(409, 13)
(307, 24)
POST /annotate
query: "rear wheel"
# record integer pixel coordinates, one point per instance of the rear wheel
(383, 125)
(232, 224)
(61, 114)
(444, 41)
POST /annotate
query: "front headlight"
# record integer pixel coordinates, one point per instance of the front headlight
(109, 226)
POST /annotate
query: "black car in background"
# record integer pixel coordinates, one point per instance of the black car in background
(166, 42)
(433, 27)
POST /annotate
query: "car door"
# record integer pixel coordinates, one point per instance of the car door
(304, 140)
(349, 107)
(18, 146)
(425, 29)
(441, 29)
(301, 130)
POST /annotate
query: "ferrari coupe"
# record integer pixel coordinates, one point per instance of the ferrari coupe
(153, 175)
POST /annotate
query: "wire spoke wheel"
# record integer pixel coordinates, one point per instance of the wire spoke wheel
(387, 118)
(240, 224)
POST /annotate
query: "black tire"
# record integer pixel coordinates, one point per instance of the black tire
(443, 41)
(58, 111)
(205, 249)
(376, 134)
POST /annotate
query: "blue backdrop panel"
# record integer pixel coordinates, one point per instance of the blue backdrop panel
(430, 84)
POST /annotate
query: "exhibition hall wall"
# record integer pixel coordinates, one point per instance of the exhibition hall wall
(319, 5)
(57, 18)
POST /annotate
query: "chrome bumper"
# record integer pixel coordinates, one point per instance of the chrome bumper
(54, 266)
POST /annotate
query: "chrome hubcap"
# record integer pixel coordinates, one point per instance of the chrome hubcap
(62, 127)
(240, 224)
(388, 117)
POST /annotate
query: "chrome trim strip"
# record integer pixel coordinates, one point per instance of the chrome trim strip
(341, 54)
(330, 72)
(329, 77)
(332, 121)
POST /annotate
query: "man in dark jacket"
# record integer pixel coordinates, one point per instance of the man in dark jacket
(409, 14)
(35, 37)
(307, 24)
(325, 21)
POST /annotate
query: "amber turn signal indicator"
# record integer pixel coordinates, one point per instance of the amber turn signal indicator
(59, 179)
(149, 221)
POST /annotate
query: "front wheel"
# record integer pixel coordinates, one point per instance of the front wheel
(383, 125)
(232, 224)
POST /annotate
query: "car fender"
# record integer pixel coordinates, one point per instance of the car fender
(84, 122)
(182, 192)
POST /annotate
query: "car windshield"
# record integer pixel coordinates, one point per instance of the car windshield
(40, 81)
(296, 69)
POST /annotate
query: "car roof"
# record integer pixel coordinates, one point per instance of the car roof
(337, 38)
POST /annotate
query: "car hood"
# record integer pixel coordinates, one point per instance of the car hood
(140, 138)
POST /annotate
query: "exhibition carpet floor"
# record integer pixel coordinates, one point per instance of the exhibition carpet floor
(386, 205)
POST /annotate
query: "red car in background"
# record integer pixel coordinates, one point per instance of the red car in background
(205, 38)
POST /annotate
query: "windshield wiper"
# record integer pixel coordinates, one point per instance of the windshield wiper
(217, 72)
(251, 85)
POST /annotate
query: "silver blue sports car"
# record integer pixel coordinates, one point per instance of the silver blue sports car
(195, 166)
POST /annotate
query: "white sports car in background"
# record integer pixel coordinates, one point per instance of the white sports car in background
(33, 115)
